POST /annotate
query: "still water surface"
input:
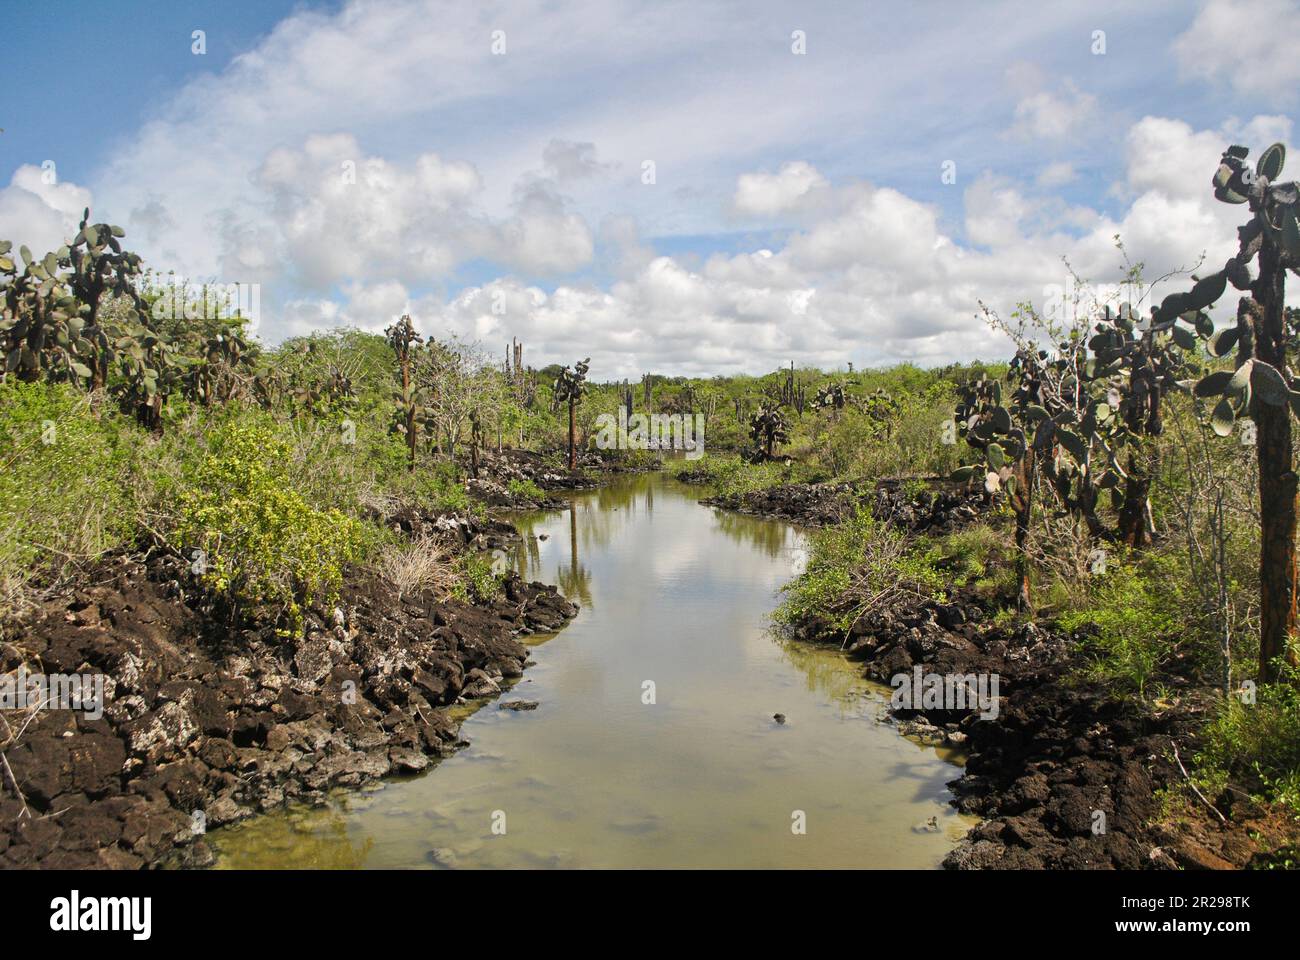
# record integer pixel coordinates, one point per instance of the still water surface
(678, 595)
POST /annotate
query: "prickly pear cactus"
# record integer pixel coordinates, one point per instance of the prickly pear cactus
(1271, 238)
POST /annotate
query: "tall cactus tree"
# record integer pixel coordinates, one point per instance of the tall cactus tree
(1001, 433)
(1134, 367)
(73, 312)
(768, 427)
(834, 398)
(1262, 386)
(50, 313)
(40, 321)
(97, 265)
(881, 408)
(402, 337)
(570, 385)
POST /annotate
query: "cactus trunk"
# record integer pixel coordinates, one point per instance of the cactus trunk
(1022, 503)
(573, 450)
(1133, 514)
(410, 410)
(1143, 420)
(1277, 479)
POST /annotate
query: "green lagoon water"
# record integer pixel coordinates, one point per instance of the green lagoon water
(678, 595)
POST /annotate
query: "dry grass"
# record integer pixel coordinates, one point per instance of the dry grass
(418, 566)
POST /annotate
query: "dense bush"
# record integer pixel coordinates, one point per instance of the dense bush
(1258, 743)
(64, 492)
(1139, 617)
(854, 568)
(726, 475)
(260, 542)
(477, 580)
(979, 557)
(525, 488)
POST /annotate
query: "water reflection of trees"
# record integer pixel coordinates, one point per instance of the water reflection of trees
(597, 522)
(826, 671)
(574, 578)
(526, 555)
(593, 521)
(771, 537)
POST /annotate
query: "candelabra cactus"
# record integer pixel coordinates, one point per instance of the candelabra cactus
(625, 398)
(1001, 435)
(403, 338)
(768, 427)
(569, 388)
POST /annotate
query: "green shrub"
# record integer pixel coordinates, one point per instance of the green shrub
(525, 488)
(1140, 614)
(64, 483)
(977, 556)
(1258, 743)
(438, 488)
(853, 568)
(638, 459)
(477, 580)
(263, 544)
(728, 476)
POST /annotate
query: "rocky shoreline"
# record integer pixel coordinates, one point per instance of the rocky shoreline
(939, 505)
(498, 470)
(203, 726)
(1065, 775)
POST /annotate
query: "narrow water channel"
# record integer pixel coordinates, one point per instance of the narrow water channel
(676, 595)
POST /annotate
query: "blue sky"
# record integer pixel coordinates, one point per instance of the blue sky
(797, 209)
(120, 60)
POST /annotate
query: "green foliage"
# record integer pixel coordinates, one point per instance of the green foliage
(731, 475)
(909, 441)
(853, 567)
(1137, 617)
(525, 488)
(63, 490)
(977, 556)
(439, 489)
(1258, 743)
(262, 543)
(476, 581)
